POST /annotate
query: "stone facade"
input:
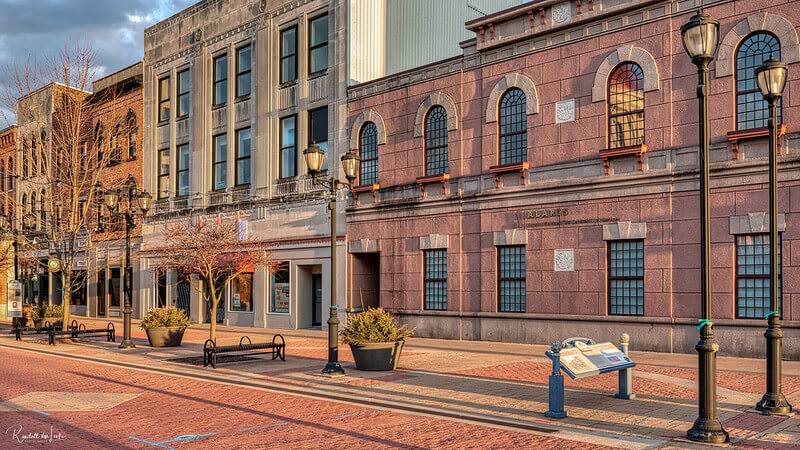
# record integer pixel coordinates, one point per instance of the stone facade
(280, 207)
(571, 197)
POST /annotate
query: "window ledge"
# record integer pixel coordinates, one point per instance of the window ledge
(441, 178)
(242, 98)
(219, 106)
(741, 135)
(501, 169)
(635, 150)
(287, 84)
(374, 187)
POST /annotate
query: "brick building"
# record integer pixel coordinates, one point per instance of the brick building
(544, 184)
(8, 150)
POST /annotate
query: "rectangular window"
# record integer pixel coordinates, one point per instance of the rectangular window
(182, 171)
(280, 292)
(219, 171)
(163, 173)
(435, 262)
(288, 156)
(242, 293)
(289, 55)
(511, 278)
(220, 80)
(183, 93)
(115, 287)
(161, 288)
(318, 44)
(163, 99)
(626, 278)
(243, 65)
(243, 157)
(752, 276)
(79, 288)
(318, 131)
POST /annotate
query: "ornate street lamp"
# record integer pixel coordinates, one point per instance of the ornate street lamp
(351, 162)
(772, 79)
(143, 201)
(700, 39)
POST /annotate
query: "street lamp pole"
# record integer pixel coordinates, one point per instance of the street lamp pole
(351, 163)
(111, 199)
(772, 79)
(700, 38)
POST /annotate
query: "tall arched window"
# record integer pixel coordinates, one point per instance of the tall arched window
(626, 106)
(26, 148)
(34, 156)
(42, 210)
(751, 109)
(368, 151)
(513, 127)
(436, 159)
(10, 180)
(3, 186)
(32, 209)
(23, 204)
(132, 130)
(98, 143)
(43, 160)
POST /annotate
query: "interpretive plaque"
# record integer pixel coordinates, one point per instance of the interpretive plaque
(585, 360)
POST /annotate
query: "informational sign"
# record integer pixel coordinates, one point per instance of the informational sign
(237, 303)
(14, 299)
(281, 297)
(585, 360)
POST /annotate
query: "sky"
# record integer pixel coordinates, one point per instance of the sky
(114, 28)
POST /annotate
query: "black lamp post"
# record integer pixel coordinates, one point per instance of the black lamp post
(143, 200)
(772, 79)
(700, 39)
(351, 163)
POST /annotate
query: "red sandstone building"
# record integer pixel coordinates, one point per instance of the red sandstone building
(544, 184)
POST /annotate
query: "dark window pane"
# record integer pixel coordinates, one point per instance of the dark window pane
(752, 276)
(220, 80)
(752, 110)
(288, 156)
(513, 127)
(626, 277)
(511, 291)
(163, 102)
(243, 156)
(368, 150)
(436, 158)
(289, 55)
(243, 65)
(220, 172)
(435, 271)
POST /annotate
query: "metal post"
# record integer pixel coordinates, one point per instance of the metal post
(773, 401)
(126, 309)
(707, 427)
(625, 375)
(333, 367)
(555, 392)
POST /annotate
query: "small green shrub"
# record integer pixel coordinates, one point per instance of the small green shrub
(47, 311)
(165, 317)
(373, 325)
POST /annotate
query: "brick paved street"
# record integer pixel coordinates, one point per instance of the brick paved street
(484, 394)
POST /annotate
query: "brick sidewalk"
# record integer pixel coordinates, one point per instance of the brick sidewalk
(505, 382)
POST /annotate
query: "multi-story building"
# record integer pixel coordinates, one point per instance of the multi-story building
(544, 183)
(8, 151)
(117, 139)
(234, 91)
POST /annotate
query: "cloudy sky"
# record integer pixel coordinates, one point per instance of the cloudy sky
(114, 28)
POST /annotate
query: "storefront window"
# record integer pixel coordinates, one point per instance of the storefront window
(280, 289)
(115, 285)
(242, 293)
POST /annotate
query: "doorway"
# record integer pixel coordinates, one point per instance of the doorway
(101, 293)
(316, 299)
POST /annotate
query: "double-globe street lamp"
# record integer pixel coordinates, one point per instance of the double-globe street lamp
(351, 163)
(143, 201)
(700, 38)
(771, 78)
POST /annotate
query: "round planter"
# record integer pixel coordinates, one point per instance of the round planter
(377, 355)
(165, 336)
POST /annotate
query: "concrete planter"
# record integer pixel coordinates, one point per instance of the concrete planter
(165, 336)
(377, 355)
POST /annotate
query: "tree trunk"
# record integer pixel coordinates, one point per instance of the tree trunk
(66, 297)
(213, 315)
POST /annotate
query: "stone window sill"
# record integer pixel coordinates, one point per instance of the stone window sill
(502, 169)
(754, 133)
(635, 150)
(441, 178)
(374, 187)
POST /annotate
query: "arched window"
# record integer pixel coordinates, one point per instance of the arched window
(26, 148)
(34, 159)
(10, 180)
(32, 208)
(3, 176)
(436, 160)
(98, 143)
(513, 127)
(751, 108)
(626, 106)
(132, 130)
(42, 210)
(22, 204)
(368, 151)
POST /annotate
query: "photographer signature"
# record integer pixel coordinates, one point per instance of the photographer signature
(22, 437)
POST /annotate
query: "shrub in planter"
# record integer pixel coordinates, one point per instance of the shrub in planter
(47, 313)
(375, 339)
(165, 326)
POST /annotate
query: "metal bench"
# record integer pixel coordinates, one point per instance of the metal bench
(74, 331)
(27, 331)
(210, 349)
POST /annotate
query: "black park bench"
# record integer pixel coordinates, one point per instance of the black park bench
(27, 331)
(75, 331)
(210, 349)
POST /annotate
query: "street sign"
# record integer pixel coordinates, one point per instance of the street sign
(585, 360)
(54, 265)
(14, 299)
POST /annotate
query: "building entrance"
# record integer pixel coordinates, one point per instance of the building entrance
(316, 299)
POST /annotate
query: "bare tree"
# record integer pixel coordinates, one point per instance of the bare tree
(217, 252)
(60, 158)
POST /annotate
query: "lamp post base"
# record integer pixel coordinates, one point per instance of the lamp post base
(127, 344)
(333, 369)
(774, 404)
(708, 431)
